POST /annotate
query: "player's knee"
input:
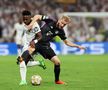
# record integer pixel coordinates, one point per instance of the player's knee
(26, 56)
(19, 59)
(57, 62)
(31, 50)
(22, 64)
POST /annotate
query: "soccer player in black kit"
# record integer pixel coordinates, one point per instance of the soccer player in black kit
(49, 31)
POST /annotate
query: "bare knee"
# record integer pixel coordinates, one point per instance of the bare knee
(31, 50)
(55, 60)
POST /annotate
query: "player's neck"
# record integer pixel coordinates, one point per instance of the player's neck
(29, 22)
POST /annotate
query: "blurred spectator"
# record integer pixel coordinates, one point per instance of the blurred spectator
(105, 23)
(10, 10)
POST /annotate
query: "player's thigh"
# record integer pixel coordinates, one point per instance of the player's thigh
(25, 47)
(31, 49)
(47, 52)
(55, 60)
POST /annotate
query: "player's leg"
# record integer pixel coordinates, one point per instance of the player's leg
(56, 62)
(48, 53)
(27, 50)
(37, 63)
(25, 61)
(23, 71)
(57, 69)
(19, 49)
(25, 57)
(32, 62)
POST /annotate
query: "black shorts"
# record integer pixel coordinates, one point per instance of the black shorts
(45, 50)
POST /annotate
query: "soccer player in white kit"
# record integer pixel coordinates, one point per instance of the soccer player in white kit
(18, 33)
(29, 36)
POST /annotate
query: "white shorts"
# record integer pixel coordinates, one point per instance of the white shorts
(25, 47)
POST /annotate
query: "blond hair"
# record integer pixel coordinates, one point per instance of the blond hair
(66, 18)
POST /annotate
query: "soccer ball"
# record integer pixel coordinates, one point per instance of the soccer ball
(36, 80)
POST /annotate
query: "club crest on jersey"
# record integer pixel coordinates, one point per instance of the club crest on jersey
(49, 33)
(51, 27)
(56, 32)
(35, 29)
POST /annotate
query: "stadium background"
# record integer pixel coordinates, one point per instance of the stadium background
(91, 32)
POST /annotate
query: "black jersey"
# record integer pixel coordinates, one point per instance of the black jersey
(49, 30)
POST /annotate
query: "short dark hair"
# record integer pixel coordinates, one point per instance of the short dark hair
(26, 12)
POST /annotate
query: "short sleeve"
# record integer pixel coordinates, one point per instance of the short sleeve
(36, 28)
(46, 19)
(62, 35)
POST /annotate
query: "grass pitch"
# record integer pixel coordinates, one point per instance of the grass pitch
(83, 72)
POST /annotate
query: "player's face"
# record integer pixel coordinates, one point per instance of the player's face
(61, 23)
(27, 19)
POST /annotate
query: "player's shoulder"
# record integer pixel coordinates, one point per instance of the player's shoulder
(53, 19)
(61, 31)
(35, 25)
(16, 24)
(48, 19)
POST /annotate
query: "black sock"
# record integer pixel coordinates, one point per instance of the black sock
(26, 56)
(57, 72)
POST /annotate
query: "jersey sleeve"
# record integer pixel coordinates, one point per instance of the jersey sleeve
(62, 35)
(46, 19)
(36, 28)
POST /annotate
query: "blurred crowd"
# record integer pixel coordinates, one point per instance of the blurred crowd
(89, 6)
(82, 29)
(91, 29)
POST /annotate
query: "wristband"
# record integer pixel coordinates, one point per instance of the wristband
(35, 40)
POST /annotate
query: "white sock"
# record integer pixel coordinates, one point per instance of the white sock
(23, 70)
(33, 63)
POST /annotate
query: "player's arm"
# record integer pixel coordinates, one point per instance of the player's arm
(37, 38)
(68, 43)
(40, 17)
(36, 18)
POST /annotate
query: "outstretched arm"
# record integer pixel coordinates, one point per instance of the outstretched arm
(68, 43)
(34, 19)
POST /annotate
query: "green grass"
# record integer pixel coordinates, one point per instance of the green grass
(85, 72)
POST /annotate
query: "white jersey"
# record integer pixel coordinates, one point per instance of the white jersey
(29, 35)
(19, 32)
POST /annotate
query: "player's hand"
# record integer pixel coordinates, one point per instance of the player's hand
(32, 44)
(81, 47)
